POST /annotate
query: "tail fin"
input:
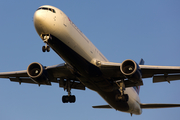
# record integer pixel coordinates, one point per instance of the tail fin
(137, 88)
(141, 62)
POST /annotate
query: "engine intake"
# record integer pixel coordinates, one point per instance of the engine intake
(131, 70)
(38, 73)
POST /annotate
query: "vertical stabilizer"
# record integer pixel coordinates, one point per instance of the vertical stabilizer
(137, 88)
(141, 62)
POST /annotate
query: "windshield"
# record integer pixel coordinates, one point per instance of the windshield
(45, 8)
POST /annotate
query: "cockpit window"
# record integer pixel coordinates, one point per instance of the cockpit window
(45, 8)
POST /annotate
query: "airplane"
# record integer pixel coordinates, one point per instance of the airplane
(85, 66)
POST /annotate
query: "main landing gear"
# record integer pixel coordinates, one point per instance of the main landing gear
(45, 38)
(68, 98)
(122, 97)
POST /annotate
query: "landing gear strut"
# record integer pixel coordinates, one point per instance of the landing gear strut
(122, 97)
(45, 38)
(68, 98)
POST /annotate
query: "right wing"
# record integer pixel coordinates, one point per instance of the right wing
(113, 72)
(57, 74)
(161, 73)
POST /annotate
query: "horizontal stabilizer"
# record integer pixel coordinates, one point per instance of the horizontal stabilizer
(102, 106)
(150, 106)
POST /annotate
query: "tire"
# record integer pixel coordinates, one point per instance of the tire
(44, 49)
(65, 99)
(72, 99)
(48, 48)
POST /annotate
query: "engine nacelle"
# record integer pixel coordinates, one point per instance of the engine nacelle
(38, 73)
(131, 70)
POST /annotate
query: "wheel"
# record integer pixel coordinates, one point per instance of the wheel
(72, 99)
(44, 49)
(48, 48)
(65, 99)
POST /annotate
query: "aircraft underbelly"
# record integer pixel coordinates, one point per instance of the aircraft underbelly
(91, 75)
(73, 58)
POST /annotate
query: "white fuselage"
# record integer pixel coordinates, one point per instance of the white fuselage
(75, 48)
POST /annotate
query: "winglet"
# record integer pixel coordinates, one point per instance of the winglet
(141, 62)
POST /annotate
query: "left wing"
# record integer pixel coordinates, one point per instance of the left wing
(57, 74)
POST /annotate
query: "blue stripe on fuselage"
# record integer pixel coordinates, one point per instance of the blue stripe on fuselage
(137, 89)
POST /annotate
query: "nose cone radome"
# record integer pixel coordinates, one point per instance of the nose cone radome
(39, 20)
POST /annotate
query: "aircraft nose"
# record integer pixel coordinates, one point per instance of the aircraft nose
(39, 20)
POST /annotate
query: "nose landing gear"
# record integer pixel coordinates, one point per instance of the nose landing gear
(46, 38)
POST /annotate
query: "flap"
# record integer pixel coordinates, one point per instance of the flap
(164, 78)
(73, 84)
(22, 80)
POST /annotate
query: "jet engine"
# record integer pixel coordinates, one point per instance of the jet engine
(131, 70)
(38, 73)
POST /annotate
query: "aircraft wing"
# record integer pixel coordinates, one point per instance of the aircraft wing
(159, 73)
(57, 74)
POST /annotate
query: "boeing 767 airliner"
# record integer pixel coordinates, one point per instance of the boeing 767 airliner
(85, 66)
